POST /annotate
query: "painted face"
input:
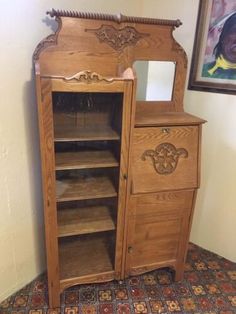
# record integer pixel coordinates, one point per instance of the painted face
(229, 45)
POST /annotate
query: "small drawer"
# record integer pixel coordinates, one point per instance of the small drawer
(165, 158)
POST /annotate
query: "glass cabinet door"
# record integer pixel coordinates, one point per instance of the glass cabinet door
(87, 133)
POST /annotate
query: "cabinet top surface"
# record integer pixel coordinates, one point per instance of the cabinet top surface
(166, 118)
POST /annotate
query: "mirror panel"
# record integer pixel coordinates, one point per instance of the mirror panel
(155, 80)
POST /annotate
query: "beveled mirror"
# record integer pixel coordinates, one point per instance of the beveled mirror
(155, 80)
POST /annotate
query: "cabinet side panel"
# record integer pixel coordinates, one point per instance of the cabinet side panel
(126, 116)
(129, 181)
(183, 247)
(199, 154)
(45, 117)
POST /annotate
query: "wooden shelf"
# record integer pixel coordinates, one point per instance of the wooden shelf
(152, 118)
(68, 134)
(85, 255)
(85, 160)
(83, 188)
(76, 221)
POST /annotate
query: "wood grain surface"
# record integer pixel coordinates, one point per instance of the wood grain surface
(145, 177)
(85, 160)
(75, 221)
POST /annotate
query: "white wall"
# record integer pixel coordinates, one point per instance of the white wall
(214, 224)
(161, 76)
(23, 24)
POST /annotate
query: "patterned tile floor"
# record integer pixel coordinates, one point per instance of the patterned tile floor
(209, 287)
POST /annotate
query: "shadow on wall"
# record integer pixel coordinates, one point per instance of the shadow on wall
(51, 23)
(34, 165)
(34, 162)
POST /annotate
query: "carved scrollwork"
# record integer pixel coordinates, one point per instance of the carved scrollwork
(96, 279)
(50, 40)
(118, 39)
(141, 270)
(88, 77)
(165, 157)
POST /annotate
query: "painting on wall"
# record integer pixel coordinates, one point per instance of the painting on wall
(213, 65)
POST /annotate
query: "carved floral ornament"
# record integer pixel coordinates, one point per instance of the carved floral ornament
(118, 39)
(88, 77)
(165, 157)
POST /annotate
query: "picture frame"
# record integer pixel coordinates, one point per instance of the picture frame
(213, 65)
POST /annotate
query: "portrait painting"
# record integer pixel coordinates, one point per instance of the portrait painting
(213, 65)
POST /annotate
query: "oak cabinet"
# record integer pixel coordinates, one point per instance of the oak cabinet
(119, 175)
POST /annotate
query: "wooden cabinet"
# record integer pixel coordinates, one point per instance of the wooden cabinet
(165, 169)
(119, 176)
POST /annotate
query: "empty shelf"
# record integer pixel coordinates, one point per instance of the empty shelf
(85, 255)
(82, 188)
(75, 221)
(67, 134)
(85, 160)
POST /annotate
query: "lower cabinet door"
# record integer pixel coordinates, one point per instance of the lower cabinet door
(158, 230)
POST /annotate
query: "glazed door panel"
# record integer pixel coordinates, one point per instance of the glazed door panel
(84, 131)
(158, 227)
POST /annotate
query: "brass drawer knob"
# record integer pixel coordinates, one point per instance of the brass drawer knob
(165, 130)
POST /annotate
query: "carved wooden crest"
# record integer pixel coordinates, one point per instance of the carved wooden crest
(118, 39)
(50, 40)
(165, 157)
(88, 77)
